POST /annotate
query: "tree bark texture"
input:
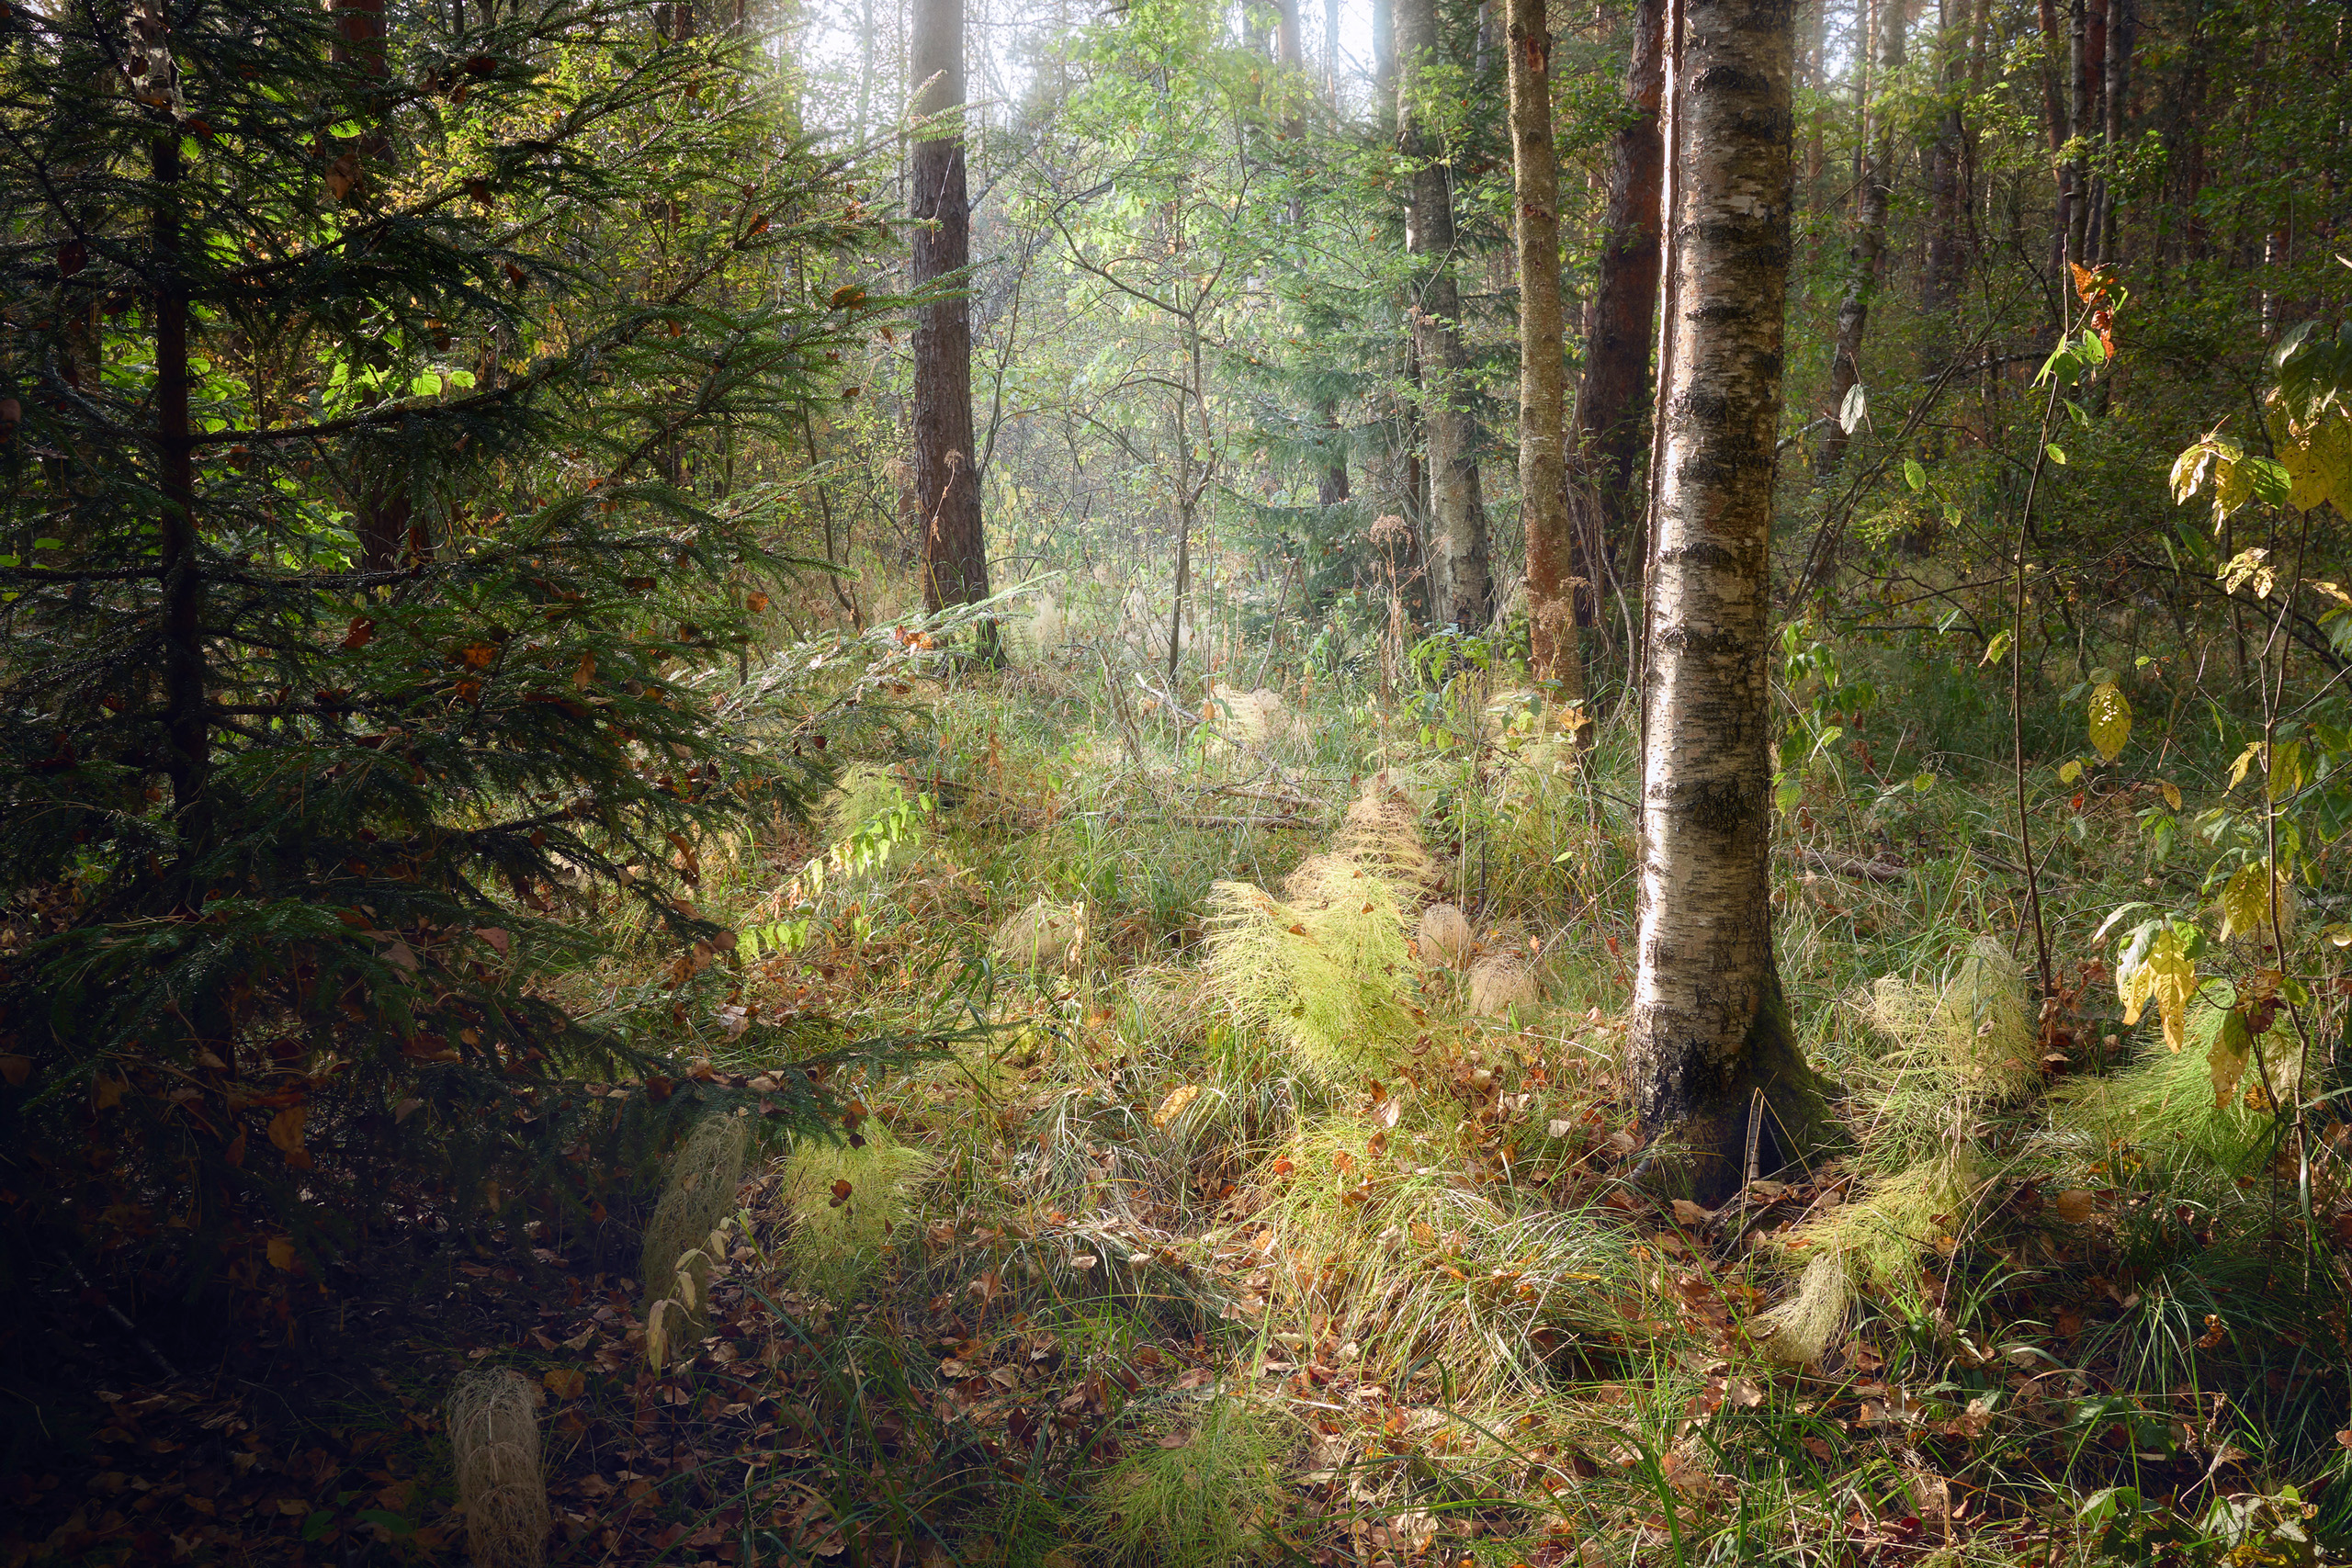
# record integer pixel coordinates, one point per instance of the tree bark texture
(1618, 324)
(1456, 543)
(1711, 1049)
(1554, 655)
(1866, 259)
(954, 549)
(1946, 194)
(2123, 37)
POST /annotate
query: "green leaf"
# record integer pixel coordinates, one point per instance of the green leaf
(2272, 483)
(462, 379)
(427, 385)
(2057, 454)
(1994, 649)
(1914, 475)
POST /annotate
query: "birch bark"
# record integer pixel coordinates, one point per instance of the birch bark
(1711, 1054)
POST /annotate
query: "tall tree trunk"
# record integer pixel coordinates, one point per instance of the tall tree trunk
(1946, 194)
(954, 549)
(1552, 654)
(2086, 45)
(1331, 52)
(1457, 538)
(1619, 323)
(2055, 124)
(1332, 474)
(1866, 259)
(1712, 1053)
(382, 511)
(2123, 37)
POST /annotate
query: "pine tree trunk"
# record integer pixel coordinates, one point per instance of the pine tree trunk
(1866, 258)
(1457, 537)
(1553, 656)
(2053, 114)
(954, 550)
(1947, 195)
(1332, 475)
(1619, 323)
(1710, 1041)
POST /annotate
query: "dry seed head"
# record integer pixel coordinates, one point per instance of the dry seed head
(494, 1433)
(1500, 982)
(1443, 936)
(1046, 935)
(700, 1192)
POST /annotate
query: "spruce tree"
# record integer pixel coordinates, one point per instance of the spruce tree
(294, 808)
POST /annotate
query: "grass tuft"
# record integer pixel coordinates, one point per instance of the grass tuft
(839, 1235)
(494, 1432)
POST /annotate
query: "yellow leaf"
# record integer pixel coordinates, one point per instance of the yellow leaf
(281, 1253)
(2231, 1046)
(2070, 769)
(2245, 903)
(2285, 769)
(2168, 977)
(1179, 1097)
(2318, 460)
(2172, 794)
(657, 1332)
(2246, 757)
(2233, 480)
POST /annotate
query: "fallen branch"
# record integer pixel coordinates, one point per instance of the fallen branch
(1851, 865)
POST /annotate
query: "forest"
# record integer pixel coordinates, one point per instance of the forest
(1180, 783)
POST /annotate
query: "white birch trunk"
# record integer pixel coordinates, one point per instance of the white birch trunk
(1710, 1029)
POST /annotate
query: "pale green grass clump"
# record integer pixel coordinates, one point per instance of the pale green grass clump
(1322, 970)
(838, 1235)
(1881, 1235)
(862, 792)
(1205, 1497)
(494, 1438)
(1953, 1051)
(2171, 1105)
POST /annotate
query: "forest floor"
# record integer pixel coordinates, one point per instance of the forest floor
(1189, 1243)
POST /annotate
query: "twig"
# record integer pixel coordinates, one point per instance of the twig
(129, 1329)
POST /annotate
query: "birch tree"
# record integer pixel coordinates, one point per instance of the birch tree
(1712, 1056)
